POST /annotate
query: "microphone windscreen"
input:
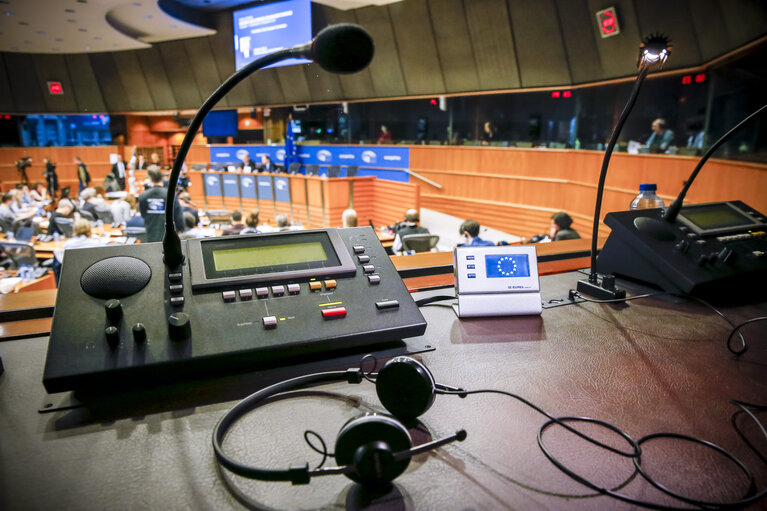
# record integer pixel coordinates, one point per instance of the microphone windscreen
(342, 48)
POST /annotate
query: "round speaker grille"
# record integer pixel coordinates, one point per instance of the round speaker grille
(115, 277)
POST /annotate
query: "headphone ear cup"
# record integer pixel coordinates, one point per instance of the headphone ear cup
(405, 388)
(369, 444)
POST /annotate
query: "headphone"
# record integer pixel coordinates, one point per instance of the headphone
(372, 449)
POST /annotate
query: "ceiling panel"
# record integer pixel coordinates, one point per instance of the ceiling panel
(357, 85)
(657, 17)
(84, 84)
(745, 19)
(53, 68)
(580, 40)
(25, 85)
(453, 45)
(179, 69)
(385, 68)
(323, 86)
(267, 89)
(417, 49)
(159, 85)
(204, 67)
(711, 33)
(134, 81)
(111, 86)
(222, 46)
(537, 38)
(292, 80)
(493, 45)
(6, 100)
(617, 53)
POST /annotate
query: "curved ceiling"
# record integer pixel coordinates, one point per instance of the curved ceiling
(77, 26)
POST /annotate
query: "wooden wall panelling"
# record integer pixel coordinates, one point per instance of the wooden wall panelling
(363, 199)
(197, 188)
(53, 68)
(315, 206)
(392, 199)
(84, 84)
(491, 38)
(336, 200)
(417, 50)
(537, 41)
(298, 199)
(454, 48)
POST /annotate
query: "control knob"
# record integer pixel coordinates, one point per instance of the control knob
(179, 327)
(139, 333)
(114, 310)
(113, 336)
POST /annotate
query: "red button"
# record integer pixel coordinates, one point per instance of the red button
(334, 312)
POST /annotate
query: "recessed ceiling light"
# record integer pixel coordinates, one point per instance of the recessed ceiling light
(71, 21)
(148, 16)
(137, 4)
(23, 23)
(40, 32)
(82, 29)
(97, 38)
(87, 47)
(9, 13)
(59, 40)
(69, 10)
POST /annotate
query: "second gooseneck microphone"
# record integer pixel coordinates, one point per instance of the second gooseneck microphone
(343, 48)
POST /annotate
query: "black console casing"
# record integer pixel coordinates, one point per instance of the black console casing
(677, 257)
(226, 337)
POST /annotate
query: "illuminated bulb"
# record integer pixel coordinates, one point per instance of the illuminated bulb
(654, 49)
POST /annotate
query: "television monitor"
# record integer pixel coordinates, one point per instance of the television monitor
(264, 29)
(220, 123)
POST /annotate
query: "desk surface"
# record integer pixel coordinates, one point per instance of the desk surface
(651, 366)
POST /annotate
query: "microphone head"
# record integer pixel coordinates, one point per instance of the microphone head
(343, 48)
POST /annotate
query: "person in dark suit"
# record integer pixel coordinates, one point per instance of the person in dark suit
(408, 226)
(267, 165)
(118, 170)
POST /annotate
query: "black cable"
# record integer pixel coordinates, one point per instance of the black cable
(673, 210)
(432, 299)
(606, 162)
(616, 300)
(749, 498)
(743, 341)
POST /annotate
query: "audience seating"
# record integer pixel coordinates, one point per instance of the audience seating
(419, 242)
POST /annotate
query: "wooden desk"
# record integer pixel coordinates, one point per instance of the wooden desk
(649, 366)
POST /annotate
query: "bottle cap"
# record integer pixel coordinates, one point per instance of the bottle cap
(648, 187)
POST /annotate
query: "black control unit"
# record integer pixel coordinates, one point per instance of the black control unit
(715, 250)
(237, 303)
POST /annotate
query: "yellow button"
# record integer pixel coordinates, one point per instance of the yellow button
(315, 286)
(330, 284)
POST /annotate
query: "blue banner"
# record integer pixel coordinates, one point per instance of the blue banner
(231, 187)
(383, 162)
(248, 186)
(213, 185)
(265, 191)
(282, 189)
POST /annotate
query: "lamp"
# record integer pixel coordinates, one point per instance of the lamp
(654, 49)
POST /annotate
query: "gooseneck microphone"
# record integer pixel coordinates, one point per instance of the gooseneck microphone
(673, 210)
(343, 48)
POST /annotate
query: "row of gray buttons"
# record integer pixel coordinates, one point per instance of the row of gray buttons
(367, 269)
(261, 292)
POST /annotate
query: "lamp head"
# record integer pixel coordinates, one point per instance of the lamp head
(654, 49)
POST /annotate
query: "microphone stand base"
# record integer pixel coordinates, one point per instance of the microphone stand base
(605, 291)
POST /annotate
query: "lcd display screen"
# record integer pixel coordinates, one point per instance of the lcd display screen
(507, 265)
(268, 256)
(715, 216)
(264, 29)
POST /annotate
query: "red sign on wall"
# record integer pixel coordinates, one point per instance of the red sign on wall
(607, 20)
(55, 88)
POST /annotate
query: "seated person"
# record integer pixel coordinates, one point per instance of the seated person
(39, 194)
(185, 200)
(122, 209)
(246, 165)
(81, 238)
(560, 227)
(7, 216)
(267, 165)
(470, 232)
(283, 222)
(661, 137)
(88, 204)
(349, 218)
(192, 231)
(236, 226)
(65, 210)
(406, 227)
(251, 221)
